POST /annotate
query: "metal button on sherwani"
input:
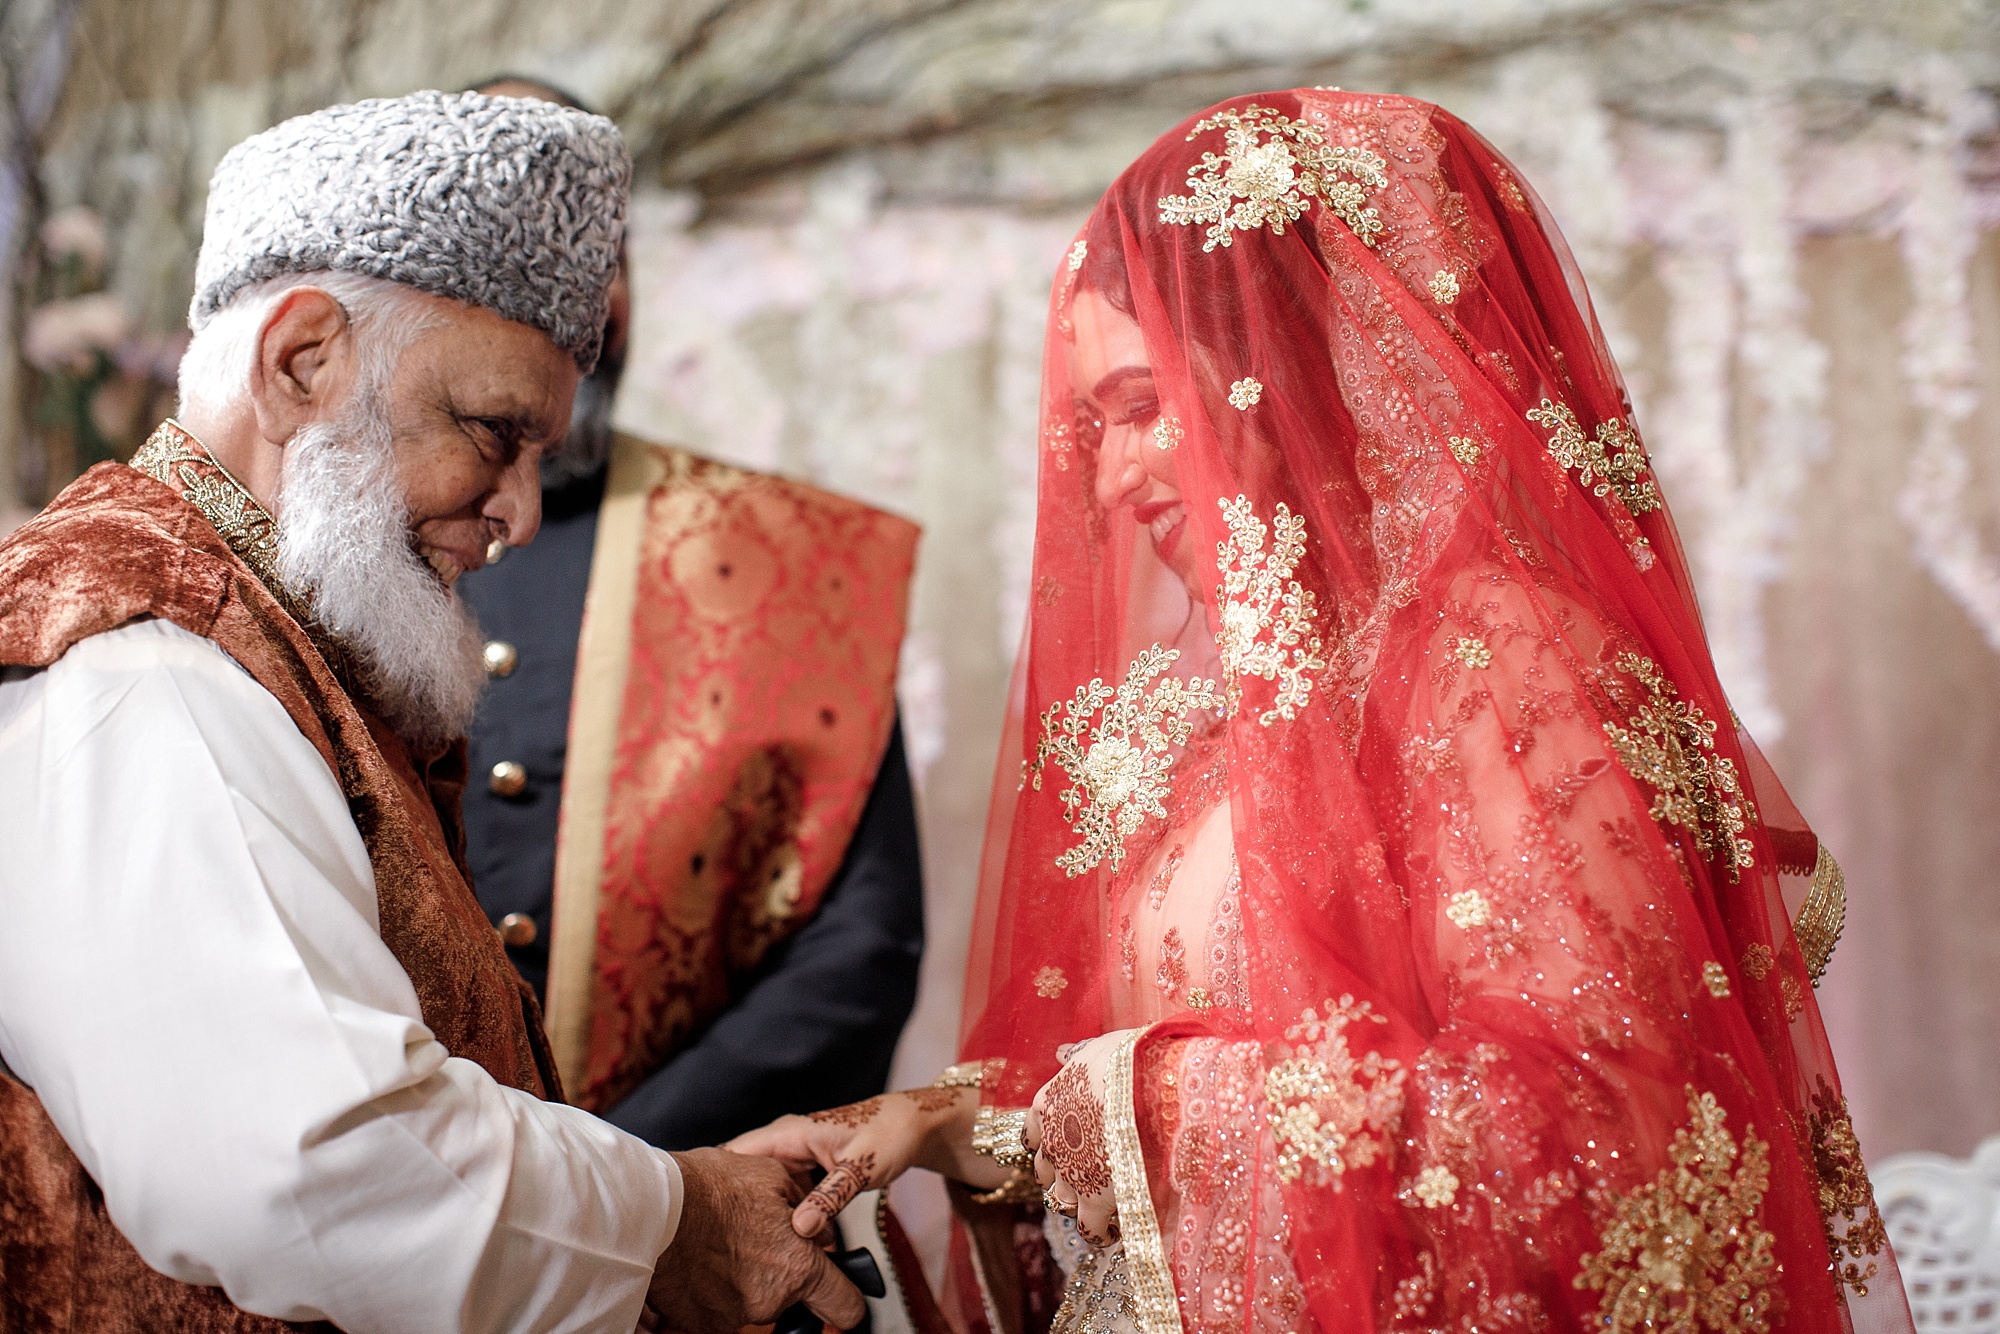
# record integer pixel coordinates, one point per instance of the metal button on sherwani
(500, 657)
(517, 929)
(508, 779)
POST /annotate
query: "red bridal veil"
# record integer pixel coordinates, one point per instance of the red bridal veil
(1480, 1004)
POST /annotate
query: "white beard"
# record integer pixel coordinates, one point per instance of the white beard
(344, 546)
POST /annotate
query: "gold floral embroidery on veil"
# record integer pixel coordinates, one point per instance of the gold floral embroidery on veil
(1269, 173)
(1614, 461)
(1689, 1251)
(1113, 746)
(1669, 745)
(1330, 1109)
(1854, 1227)
(1269, 621)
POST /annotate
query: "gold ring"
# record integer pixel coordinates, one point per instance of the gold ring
(1056, 1206)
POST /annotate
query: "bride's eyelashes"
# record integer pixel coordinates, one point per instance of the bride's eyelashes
(1134, 409)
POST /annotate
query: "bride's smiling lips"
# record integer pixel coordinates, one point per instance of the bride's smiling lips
(1165, 520)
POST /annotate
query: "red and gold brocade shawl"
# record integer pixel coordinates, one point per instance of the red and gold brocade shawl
(735, 690)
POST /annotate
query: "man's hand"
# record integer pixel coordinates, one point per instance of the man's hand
(736, 1260)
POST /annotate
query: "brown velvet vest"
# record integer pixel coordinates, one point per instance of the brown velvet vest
(118, 545)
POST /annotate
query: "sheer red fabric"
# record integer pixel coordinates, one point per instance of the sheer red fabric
(1366, 748)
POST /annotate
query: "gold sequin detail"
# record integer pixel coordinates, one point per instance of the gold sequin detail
(1758, 961)
(1794, 996)
(1172, 972)
(1269, 173)
(1823, 916)
(1150, 1274)
(1614, 461)
(1444, 287)
(1854, 1228)
(1050, 982)
(1077, 253)
(1163, 879)
(1473, 652)
(1510, 190)
(1113, 746)
(1465, 449)
(1198, 998)
(1245, 394)
(1716, 978)
(1688, 1253)
(1468, 910)
(1669, 745)
(1167, 433)
(1269, 621)
(1331, 1110)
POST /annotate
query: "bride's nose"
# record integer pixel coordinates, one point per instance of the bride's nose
(1120, 475)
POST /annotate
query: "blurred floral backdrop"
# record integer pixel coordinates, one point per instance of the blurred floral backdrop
(850, 213)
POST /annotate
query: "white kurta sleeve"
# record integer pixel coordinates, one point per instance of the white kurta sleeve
(193, 981)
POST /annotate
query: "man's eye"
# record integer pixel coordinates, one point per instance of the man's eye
(501, 430)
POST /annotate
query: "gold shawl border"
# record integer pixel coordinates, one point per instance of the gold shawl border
(603, 656)
(1152, 1280)
(1823, 916)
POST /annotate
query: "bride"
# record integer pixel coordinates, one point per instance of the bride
(1385, 925)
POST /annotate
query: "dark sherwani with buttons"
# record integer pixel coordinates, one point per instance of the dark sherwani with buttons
(813, 1019)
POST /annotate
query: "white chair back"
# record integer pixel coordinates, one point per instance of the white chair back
(1943, 1216)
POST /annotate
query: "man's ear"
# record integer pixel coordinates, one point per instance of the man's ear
(304, 361)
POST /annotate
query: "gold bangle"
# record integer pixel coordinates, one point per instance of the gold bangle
(996, 1134)
(1018, 1188)
(964, 1075)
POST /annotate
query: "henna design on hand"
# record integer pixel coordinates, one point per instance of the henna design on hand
(1073, 1133)
(849, 1177)
(933, 1099)
(852, 1115)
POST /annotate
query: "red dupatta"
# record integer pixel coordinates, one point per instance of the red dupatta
(1387, 782)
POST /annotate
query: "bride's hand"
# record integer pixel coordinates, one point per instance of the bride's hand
(866, 1145)
(1066, 1130)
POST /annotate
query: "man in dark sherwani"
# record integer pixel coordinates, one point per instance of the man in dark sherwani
(739, 939)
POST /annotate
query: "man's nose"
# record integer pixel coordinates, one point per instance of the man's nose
(1119, 472)
(515, 507)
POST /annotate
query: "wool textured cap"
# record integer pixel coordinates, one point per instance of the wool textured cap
(509, 203)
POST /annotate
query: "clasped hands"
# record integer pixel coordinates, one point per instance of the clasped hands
(735, 1260)
(866, 1145)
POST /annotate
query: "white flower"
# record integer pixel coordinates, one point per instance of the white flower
(1436, 1187)
(1468, 910)
(1112, 770)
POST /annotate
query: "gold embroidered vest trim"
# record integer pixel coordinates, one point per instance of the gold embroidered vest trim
(172, 455)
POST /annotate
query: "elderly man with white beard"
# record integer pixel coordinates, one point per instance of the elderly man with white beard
(262, 1059)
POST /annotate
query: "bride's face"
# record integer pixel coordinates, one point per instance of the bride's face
(1114, 386)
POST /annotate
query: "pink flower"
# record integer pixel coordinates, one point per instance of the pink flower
(77, 231)
(63, 334)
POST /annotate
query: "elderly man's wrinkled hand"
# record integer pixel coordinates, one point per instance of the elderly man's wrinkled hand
(736, 1260)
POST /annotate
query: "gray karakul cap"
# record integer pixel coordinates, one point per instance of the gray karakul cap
(503, 202)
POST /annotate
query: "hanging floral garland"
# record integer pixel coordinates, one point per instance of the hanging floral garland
(1940, 233)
